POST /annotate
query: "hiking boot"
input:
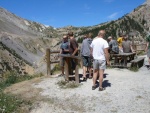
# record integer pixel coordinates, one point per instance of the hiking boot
(101, 88)
(94, 87)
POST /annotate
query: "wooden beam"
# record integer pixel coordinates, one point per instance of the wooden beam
(56, 61)
(55, 51)
(77, 71)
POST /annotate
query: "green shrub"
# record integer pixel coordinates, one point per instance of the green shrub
(57, 67)
(72, 84)
(135, 69)
(10, 103)
(64, 84)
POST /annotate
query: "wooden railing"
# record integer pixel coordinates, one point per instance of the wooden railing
(139, 47)
(49, 60)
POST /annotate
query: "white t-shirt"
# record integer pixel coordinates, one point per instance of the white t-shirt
(98, 45)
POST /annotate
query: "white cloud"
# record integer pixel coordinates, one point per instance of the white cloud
(113, 16)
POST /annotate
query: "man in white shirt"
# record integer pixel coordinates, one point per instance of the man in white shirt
(99, 51)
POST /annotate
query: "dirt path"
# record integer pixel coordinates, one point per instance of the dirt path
(126, 92)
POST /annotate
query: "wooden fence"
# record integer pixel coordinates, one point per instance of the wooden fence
(139, 47)
(49, 60)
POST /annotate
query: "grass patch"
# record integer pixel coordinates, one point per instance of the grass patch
(8, 102)
(64, 84)
(141, 53)
(12, 77)
(134, 69)
(56, 68)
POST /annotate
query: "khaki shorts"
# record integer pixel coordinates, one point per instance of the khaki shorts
(99, 64)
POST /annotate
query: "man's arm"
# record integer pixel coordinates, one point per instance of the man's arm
(131, 47)
(91, 52)
(75, 51)
(74, 44)
(106, 55)
(60, 51)
(147, 44)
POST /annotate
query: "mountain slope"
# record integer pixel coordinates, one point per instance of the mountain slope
(29, 40)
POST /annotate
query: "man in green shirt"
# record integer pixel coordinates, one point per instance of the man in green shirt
(147, 49)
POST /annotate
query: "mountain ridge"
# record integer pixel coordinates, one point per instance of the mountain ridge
(30, 39)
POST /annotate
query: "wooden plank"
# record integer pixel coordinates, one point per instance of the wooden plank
(70, 56)
(57, 51)
(137, 60)
(123, 54)
(56, 61)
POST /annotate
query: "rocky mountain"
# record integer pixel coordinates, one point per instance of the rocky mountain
(136, 24)
(23, 42)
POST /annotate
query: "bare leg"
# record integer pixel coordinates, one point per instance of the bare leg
(95, 76)
(84, 72)
(101, 72)
(90, 72)
(62, 70)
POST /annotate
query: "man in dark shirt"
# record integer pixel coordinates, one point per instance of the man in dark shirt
(127, 45)
(73, 48)
(113, 45)
(64, 49)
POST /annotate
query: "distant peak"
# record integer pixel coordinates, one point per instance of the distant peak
(147, 2)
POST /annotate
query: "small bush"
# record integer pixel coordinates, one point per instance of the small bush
(135, 69)
(64, 84)
(141, 53)
(57, 67)
(72, 84)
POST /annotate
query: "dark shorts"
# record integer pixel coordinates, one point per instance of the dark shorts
(86, 61)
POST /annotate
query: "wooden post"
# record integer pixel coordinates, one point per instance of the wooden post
(50, 72)
(67, 69)
(77, 71)
(48, 60)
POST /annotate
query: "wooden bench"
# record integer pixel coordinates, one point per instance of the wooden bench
(121, 59)
(138, 62)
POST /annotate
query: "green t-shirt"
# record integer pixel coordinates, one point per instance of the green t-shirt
(148, 40)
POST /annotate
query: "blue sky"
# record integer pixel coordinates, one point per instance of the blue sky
(60, 13)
